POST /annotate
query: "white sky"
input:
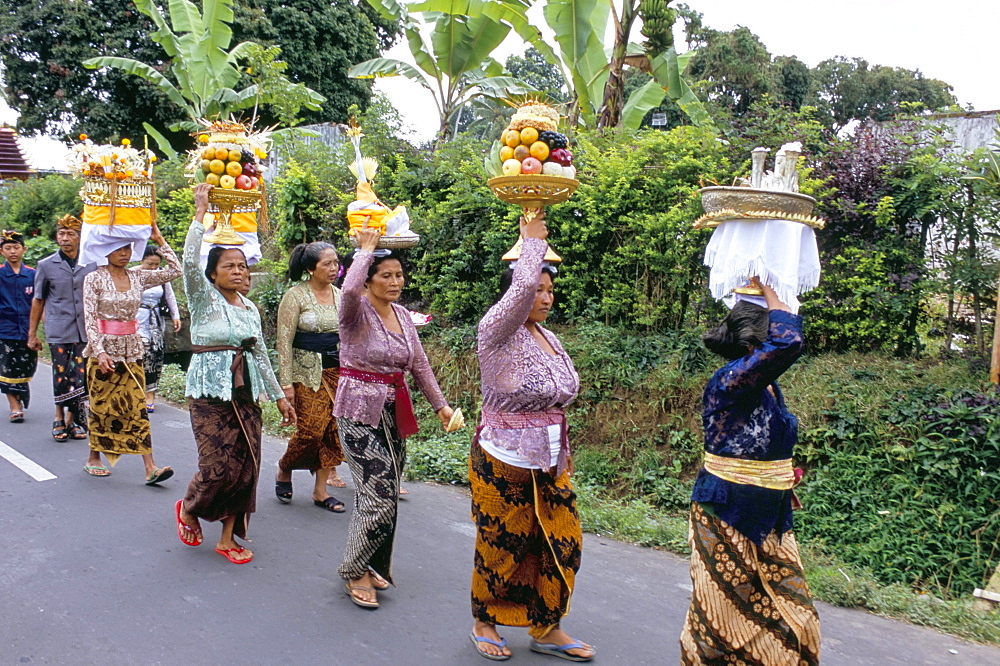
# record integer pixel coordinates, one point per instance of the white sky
(954, 42)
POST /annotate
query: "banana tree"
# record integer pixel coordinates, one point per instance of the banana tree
(202, 71)
(455, 64)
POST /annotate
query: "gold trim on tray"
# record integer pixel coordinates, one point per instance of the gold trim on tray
(227, 200)
(533, 191)
(714, 219)
(391, 242)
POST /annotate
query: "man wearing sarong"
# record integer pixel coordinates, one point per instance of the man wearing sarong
(59, 296)
(750, 602)
(17, 361)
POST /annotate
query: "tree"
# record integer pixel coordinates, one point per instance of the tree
(539, 73)
(455, 65)
(736, 67)
(203, 72)
(846, 90)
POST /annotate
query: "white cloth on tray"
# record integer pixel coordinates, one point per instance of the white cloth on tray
(97, 241)
(782, 253)
(251, 249)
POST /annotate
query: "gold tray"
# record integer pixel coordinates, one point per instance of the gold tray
(533, 190)
(391, 242)
(233, 198)
(745, 200)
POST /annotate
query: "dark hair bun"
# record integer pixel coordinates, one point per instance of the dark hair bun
(746, 326)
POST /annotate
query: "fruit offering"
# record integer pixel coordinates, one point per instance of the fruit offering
(228, 156)
(532, 145)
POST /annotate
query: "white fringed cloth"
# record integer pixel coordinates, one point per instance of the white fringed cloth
(251, 248)
(782, 253)
(98, 241)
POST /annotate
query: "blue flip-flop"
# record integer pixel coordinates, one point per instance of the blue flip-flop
(562, 651)
(476, 640)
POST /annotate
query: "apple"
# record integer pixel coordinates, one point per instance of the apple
(561, 156)
(511, 167)
(250, 169)
(531, 165)
(227, 182)
(243, 182)
(254, 182)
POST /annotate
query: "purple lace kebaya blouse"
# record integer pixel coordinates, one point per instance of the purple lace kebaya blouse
(517, 374)
(366, 344)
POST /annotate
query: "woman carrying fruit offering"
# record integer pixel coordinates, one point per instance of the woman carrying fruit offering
(378, 346)
(116, 382)
(529, 540)
(308, 347)
(229, 370)
(750, 601)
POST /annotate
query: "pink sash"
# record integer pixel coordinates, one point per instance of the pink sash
(112, 327)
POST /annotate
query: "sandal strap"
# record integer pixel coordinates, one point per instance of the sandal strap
(482, 639)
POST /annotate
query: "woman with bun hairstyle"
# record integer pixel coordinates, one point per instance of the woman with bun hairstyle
(308, 344)
(750, 600)
(379, 345)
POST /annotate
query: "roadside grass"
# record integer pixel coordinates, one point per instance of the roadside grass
(443, 458)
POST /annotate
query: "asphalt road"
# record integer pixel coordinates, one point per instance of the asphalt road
(92, 572)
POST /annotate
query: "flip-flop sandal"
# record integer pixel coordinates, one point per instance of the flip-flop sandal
(76, 431)
(150, 408)
(228, 554)
(183, 529)
(97, 470)
(350, 589)
(403, 492)
(562, 651)
(336, 482)
(283, 491)
(59, 431)
(159, 474)
(502, 643)
(331, 503)
(17, 417)
(379, 583)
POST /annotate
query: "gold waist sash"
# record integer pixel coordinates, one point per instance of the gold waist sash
(773, 474)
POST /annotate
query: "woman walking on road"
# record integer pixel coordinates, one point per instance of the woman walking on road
(152, 326)
(229, 370)
(309, 361)
(116, 383)
(750, 600)
(528, 535)
(379, 344)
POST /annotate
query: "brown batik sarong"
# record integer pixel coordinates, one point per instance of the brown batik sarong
(316, 442)
(528, 544)
(118, 423)
(750, 605)
(227, 433)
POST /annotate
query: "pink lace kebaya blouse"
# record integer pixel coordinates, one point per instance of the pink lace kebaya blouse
(517, 374)
(366, 344)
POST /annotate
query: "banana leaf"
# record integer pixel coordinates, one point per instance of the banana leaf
(141, 69)
(580, 26)
(385, 67)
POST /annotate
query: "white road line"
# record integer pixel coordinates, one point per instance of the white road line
(29, 467)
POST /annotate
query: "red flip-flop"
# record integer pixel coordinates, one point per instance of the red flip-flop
(194, 537)
(228, 554)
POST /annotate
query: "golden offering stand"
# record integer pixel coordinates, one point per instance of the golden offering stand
(226, 200)
(533, 192)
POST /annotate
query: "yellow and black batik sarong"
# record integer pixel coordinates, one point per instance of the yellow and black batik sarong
(528, 544)
(750, 604)
(118, 422)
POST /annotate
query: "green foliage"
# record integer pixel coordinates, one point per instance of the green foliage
(174, 215)
(33, 206)
(37, 248)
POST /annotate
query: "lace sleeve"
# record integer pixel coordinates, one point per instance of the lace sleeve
(354, 287)
(503, 319)
(756, 371)
(196, 285)
(168, 296)
(421, 370)
(271, 385)
(91, 296)
(288, 321)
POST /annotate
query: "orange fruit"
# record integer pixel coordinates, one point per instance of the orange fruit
(227, 182)
(212, 179)
(206, 166)
(208, 154)
(521, 152)
(234, 169)
(235, 155)
(529, 135)
(506, 153)
(512, 138)
(217, 166)
(539, 149)
(221, 154)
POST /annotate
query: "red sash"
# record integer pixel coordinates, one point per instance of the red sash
(406, 422)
